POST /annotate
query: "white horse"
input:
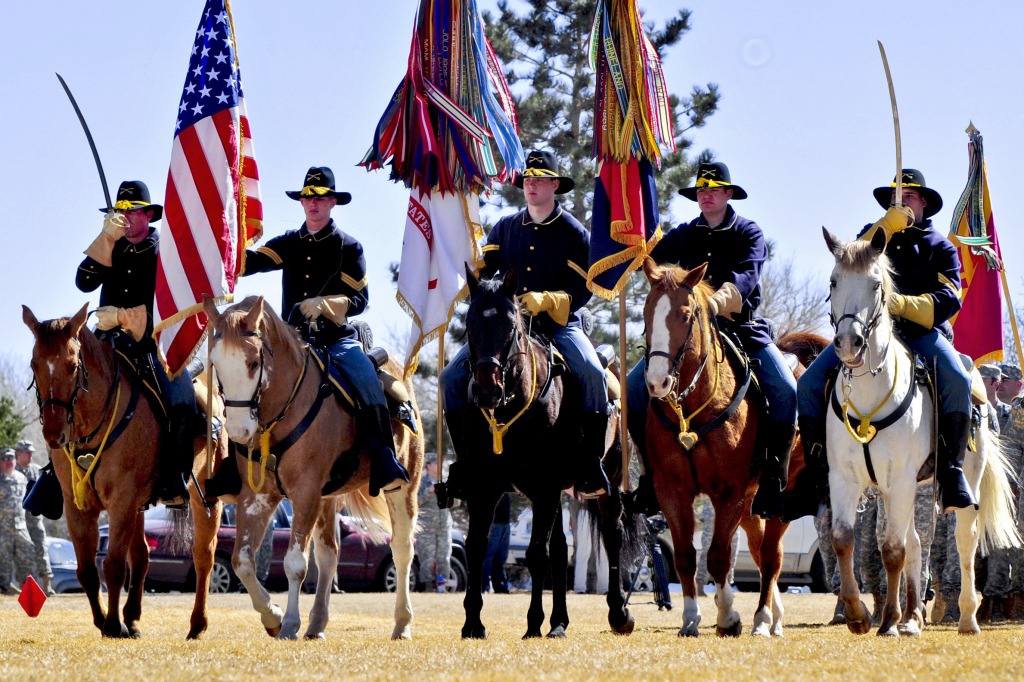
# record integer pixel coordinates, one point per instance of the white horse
(877, 385)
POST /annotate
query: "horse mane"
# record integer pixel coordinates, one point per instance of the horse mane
(671, 278)
(859, 255)
(276, 327)
(52, 334)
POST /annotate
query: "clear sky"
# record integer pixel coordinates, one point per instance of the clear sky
(804, 125)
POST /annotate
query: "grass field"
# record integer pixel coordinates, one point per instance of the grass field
(62, 644)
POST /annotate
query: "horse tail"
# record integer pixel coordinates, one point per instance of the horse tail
(997, 525)
(182, 531)
(371, 512)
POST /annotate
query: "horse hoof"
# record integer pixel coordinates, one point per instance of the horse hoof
(626, 628)
(274, 631)
(762, 630)
(402, 633)
(859, 622)
(968, 631)
(734, 630)
(287, 636)
(891, 631)
(557, 632)
(119, 631)
(533, 634)
(479, 632)
(689, 630)
(317, 636)
(195, 632)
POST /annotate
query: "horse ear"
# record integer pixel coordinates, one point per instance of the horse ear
(252, 320)
(878, 241)
(652, 272)
(30, 319)
(210, 308)
(510, 283)
(834, 245)
(78, 320)
(694, 277)
(471, 280)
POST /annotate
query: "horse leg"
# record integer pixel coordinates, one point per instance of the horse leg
(296, 559)
(544, 514)
(678, 510)
(610, 508)
(206, 523)
(967, 545)
(138, 562)
(481, 513)
(122, 530)
(912, 621)
(558, 553)
(325, 548)
(898, 516)
(253, 515)
(768, 557)
(86, 538)
(845, 498)
(727, 519)
(403, 521)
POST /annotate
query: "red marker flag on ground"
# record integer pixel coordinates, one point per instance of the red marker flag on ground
(978, 327)
(32, 597)
(212, 207)
(439, 133)
(632, 121)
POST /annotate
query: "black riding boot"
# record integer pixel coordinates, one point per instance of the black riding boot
(953, 431)
(590, 480)
(373, 424)
(774, 476)
(176, 458)
(811, 488)
(456, 486)
(227, 480)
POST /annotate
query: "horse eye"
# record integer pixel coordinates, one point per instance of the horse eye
(253, 365)
(878, 285)
(832, 284)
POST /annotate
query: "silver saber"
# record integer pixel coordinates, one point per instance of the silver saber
(896, 125)
(92, 145)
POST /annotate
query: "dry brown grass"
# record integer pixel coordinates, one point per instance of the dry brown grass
(62, 644)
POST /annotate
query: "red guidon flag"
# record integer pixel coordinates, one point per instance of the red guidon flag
(212, 208)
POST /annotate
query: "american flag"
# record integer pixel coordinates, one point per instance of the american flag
(212, 208)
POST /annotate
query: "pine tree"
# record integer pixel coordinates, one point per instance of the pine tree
(11, 423)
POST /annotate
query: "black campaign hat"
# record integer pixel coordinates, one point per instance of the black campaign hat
(319, 182)
(540, 164)
(912, 179)
(713, 175)
(134, 194)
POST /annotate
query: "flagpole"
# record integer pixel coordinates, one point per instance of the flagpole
(1013, 315)
(209, 406)
(623, 407)
(440, 406)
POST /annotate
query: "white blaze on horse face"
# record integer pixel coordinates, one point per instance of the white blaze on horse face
(234, 375)
(659, 369)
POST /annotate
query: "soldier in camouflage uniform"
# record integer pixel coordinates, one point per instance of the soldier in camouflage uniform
(17, 555)
(434, 540)
(23, 462)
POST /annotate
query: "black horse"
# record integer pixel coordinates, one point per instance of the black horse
(517, 386)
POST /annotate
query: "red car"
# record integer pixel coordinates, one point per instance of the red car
(362, 565)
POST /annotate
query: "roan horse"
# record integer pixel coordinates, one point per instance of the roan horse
(516, 389)
(288, 408)
(861, 284)
(91, 403)
(702, 437)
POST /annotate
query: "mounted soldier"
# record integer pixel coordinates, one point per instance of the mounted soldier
(926, 272)
(122, 263)
(735, 251)
(548, 249)
(324, 284)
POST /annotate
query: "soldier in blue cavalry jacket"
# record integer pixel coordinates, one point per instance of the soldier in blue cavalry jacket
(123, 260)
(324, 283)
(927, 276)
(549, 250)
(735, 251)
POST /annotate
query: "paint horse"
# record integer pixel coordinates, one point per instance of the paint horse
(104, 438)
(522, 430)
(888, 443)
(286, 410)
(702, 438)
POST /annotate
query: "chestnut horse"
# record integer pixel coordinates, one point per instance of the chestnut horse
(104, 441)
(264, 366)
(529, 441)
(717, 419)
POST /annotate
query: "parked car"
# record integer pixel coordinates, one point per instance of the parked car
(64, 564)
(521, 530)
(362, 564)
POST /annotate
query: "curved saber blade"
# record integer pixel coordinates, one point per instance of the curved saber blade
(896, 125)
(92, 145)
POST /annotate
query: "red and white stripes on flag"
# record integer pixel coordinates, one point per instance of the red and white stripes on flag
(212, 207)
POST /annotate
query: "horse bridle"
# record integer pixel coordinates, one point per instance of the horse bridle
(869, 326)
(503, 367)
(676, 360)
(253, 403)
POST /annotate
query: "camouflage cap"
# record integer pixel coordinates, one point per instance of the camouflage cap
(430, 458)
(1011, 371)
(8, 452)
(991, 372)
(25, 445)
